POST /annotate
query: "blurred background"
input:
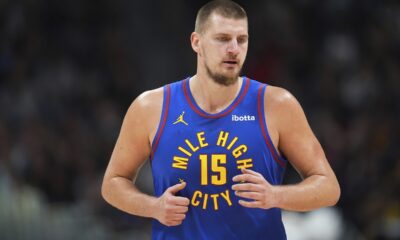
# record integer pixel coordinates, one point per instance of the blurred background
(70, 69)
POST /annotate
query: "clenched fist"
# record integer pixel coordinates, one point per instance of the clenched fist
(171, 209)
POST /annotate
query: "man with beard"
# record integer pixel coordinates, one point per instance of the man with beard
(217, 165)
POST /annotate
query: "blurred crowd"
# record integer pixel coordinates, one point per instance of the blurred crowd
(70, 69)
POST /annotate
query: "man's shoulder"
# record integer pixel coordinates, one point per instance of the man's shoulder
(280, 104)
(147, 103)
(154, 97)
(278, 95)
(280, 101)
(275, 92)
(150, 97)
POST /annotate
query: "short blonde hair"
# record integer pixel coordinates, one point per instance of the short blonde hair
(225, 8)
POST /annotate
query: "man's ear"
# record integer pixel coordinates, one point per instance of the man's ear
(195, 41)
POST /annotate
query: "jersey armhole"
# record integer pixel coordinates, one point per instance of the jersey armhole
(163, 120)
(280, 160)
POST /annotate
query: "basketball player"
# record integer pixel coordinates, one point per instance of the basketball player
(218, 145)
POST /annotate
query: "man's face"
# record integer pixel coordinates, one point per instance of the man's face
(223, 47)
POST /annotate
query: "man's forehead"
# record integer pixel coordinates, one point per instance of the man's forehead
(217, 23)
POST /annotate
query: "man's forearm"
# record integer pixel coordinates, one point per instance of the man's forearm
(313, 192)
(122, 194)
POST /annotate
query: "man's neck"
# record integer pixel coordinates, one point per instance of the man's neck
(213, 97)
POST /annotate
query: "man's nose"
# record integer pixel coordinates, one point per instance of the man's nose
(233, 47)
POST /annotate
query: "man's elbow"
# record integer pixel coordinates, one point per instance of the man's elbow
(105, 190)
(334, 193)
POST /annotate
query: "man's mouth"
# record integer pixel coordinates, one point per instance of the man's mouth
(231, 62)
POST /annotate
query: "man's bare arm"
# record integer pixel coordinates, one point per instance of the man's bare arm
(294, 138)
(131, 151)
(298, 143)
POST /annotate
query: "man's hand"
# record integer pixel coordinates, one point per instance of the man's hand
(252, 185)
(171, 209)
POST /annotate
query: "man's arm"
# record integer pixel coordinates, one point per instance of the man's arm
(130, 152)
(294, 138)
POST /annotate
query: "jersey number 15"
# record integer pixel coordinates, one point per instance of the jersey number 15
(218, 170)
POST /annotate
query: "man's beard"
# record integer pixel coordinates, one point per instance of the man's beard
(222, 79)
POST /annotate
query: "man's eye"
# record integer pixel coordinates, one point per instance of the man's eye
(223, 39)
(242, 40)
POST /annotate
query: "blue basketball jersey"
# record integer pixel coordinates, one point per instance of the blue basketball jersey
(207, 151)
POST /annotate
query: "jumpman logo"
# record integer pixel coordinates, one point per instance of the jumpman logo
(180, 119)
